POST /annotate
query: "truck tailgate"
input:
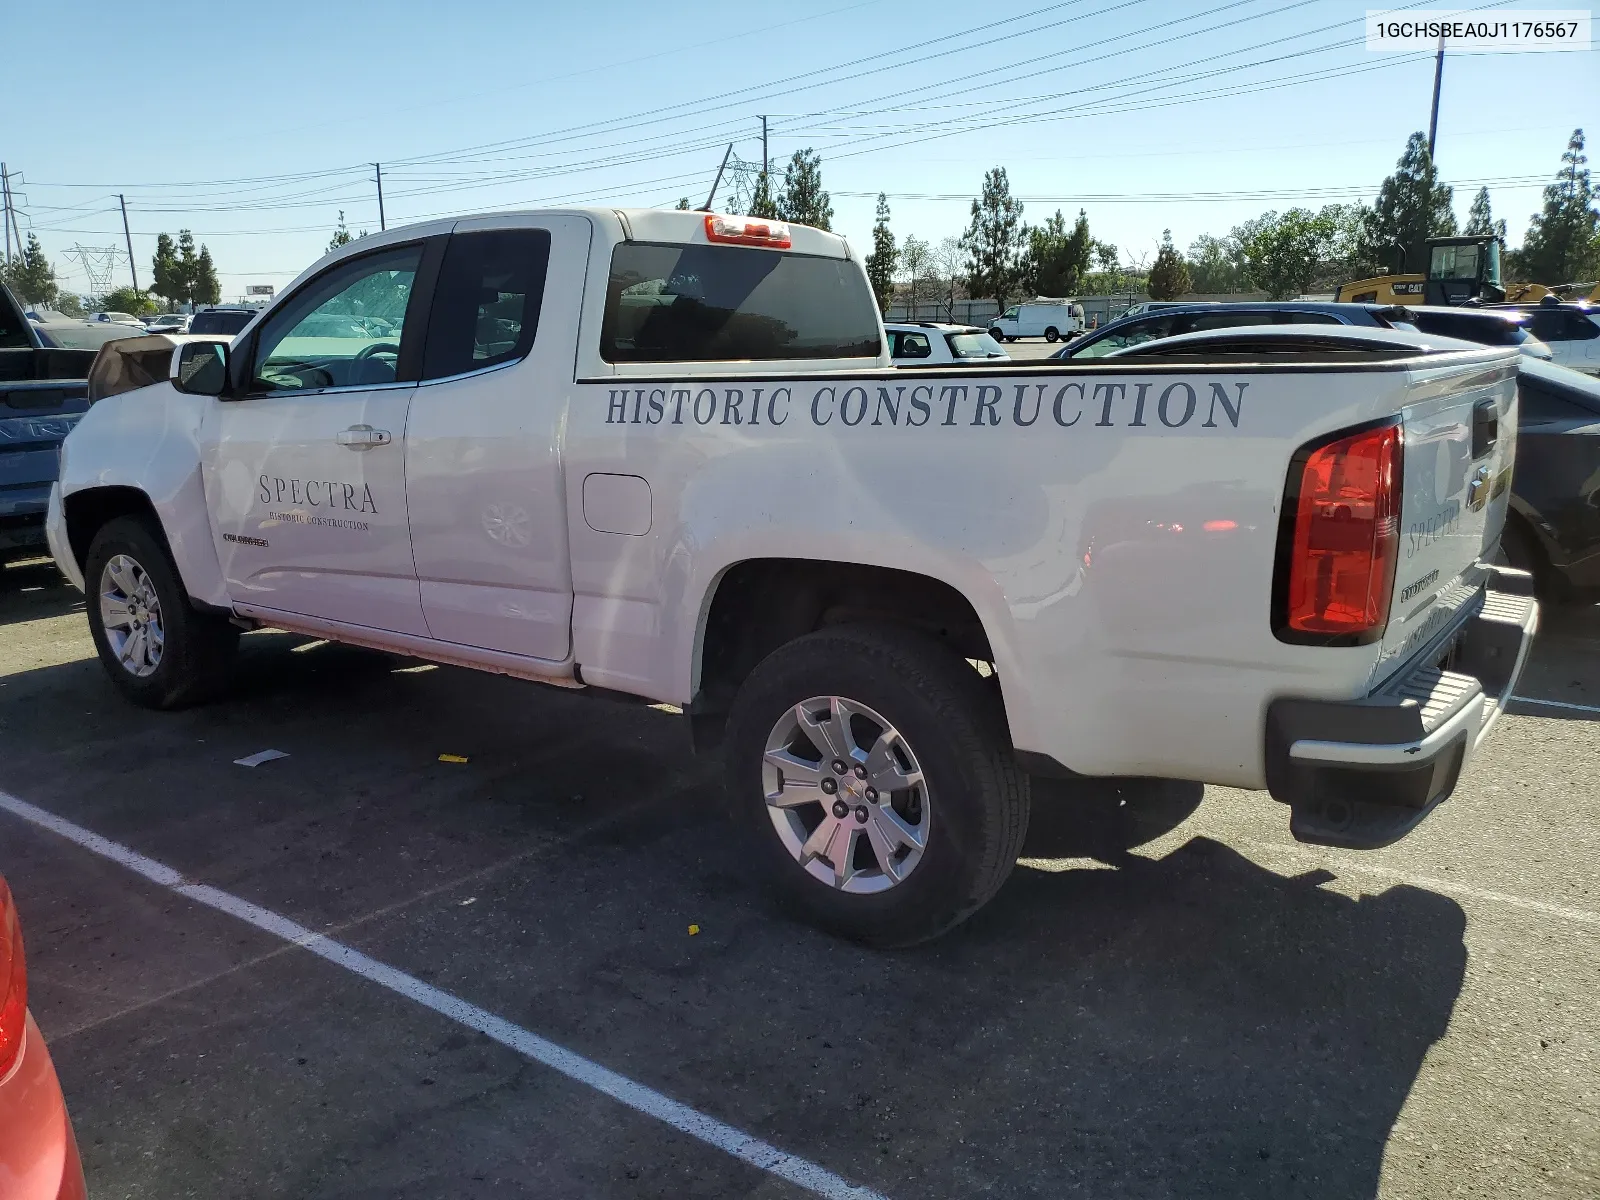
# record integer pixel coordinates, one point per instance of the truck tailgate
(1459, 438)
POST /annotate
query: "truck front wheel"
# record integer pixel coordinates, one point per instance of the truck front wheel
(159, 650)
(1052, 334)
(876, 777)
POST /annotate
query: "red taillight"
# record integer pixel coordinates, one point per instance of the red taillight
(13, 982)
(1344, 497)
(747, 231)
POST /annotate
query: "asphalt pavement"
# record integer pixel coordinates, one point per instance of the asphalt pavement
(1169, 998)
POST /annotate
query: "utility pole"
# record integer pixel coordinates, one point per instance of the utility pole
(765, 161)
(715, 183)
(382, 224)
(128, 237)
(1433, 120)
(5, 198)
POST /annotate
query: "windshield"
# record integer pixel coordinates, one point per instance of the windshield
(974, 345)
(1454, 262)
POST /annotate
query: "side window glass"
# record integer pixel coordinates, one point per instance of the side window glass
(1305, 318)
(1131, 334)
(486, 306)
(1580, 328)
(915, 345)
(1547, 326)
(1219, 320)
(342, 330)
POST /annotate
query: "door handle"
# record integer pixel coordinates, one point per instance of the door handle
(363, 437)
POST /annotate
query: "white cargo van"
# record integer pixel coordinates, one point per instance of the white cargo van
(1049, 319)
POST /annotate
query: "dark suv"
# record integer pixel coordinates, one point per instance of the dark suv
(1486, 327)
(1192, 318)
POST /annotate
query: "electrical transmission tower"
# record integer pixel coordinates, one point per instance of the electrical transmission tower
(99, 263)
(742, 176)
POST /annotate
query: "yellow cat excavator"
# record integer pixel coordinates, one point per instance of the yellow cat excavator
(1463, 269)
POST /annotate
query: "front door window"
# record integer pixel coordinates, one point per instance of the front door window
(344, 330)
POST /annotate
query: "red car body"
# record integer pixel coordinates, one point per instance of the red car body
(38, 1154)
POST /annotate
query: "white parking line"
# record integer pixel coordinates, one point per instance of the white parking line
(798, 1171)
(1594, 708)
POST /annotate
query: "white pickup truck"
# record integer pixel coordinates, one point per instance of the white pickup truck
(666, 454)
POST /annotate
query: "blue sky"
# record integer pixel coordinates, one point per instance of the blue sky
(253, 124)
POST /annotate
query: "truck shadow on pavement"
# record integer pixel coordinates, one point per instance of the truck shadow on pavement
(35, 589)
(1190, 1025)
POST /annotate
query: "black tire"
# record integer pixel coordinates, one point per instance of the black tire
(951, 718)
(1052, 334)
(997, 335)
(198, 647)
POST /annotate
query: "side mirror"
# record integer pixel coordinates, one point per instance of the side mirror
(201, 368)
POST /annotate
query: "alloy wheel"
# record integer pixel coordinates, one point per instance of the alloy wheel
(846, 794)
(130, 611)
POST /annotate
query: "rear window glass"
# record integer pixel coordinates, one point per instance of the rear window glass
(1561, 325)
(973, 345)
(1485, 330)
(225, 323)
(734, 303)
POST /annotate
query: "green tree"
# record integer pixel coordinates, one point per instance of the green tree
(1107, 277)
(188, 261)
(31, 276)
(342, 235)
(207, 288)
(1560, 245)
(881, 262)
(1346, 256)
(916, 259)
(994, 240)
(1057, 261)
(1480, 219)
(803, 200)
(1216, 265)
(1283, 253)
(1412, 207)
(69, 304)
(950, 264)
(681, 206)
(128, 300)
(1169, 275)
(167, 276)
(761, 202)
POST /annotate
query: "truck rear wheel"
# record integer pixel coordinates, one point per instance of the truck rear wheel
(157, 647)
(1052, 334)
(875, 775)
